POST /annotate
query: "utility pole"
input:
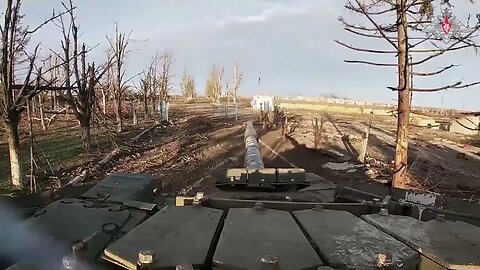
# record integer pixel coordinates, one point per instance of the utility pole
(259, 81)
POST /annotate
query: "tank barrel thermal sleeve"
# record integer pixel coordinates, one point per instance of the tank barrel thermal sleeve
(253, 158)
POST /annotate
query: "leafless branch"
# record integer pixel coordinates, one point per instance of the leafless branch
(40, 87)
(385, 28)
(466, 85)
(424, 74)
(370, 63)
(349, 29)
(456, 86)
(390, 37)
(54, 16)
(364, 50)
(349, 6)
(131, 78)
(380, 30)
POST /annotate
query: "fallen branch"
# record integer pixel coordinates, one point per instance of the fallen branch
(104, 161)
(79, 178)
(136, 138)
(107, 158)
(62, 111)
(85, 173)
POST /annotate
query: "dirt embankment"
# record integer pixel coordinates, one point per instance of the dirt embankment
(436, 163)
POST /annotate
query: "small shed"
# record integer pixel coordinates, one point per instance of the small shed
(420, 121)
(468, 125)
(265, 103)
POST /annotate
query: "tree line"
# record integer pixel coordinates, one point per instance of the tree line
(69, 76)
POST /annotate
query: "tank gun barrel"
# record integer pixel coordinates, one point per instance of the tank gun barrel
(253, 158)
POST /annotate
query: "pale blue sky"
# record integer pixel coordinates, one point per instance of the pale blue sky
(289, 43)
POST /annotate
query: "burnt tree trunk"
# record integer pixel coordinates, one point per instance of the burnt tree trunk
(42, 114)
(118, 114)
(52, 100)
(85, 126)
(145, 104)
(364, 145)
(16, 172)
(316, 133)
(154, 105)
(134, 113)
(401, 150)
(33, 106)
(104, 101)
(33, 184)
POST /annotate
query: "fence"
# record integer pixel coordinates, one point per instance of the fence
(227, 110)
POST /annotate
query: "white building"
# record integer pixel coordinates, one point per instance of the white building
(467, 125)
(265, 103)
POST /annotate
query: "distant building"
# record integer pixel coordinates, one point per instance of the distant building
(422, 121)
(265, 103)
(468, 125)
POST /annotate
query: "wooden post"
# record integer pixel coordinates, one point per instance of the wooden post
(320, 130)
(285, 126)
(53, 100)
(33, 184)
(363, 147)
(167, 108)
(134, 112)
(265, 119)
(42, 115)
(315, 132)
(236, 111)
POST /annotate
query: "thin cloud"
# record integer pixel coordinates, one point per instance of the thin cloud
(276, 11)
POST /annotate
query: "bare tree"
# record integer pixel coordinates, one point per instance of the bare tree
(14, 97)
(166, 61)
(187, 86)
(145, 90)
(237, 80)
(119, 49)
(20, 59)
(106, 85)
(214, 85)
(413, 19)
(149, 84)
(55, 78)
(86, 77)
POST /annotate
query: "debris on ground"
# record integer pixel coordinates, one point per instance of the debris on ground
(343, 166)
